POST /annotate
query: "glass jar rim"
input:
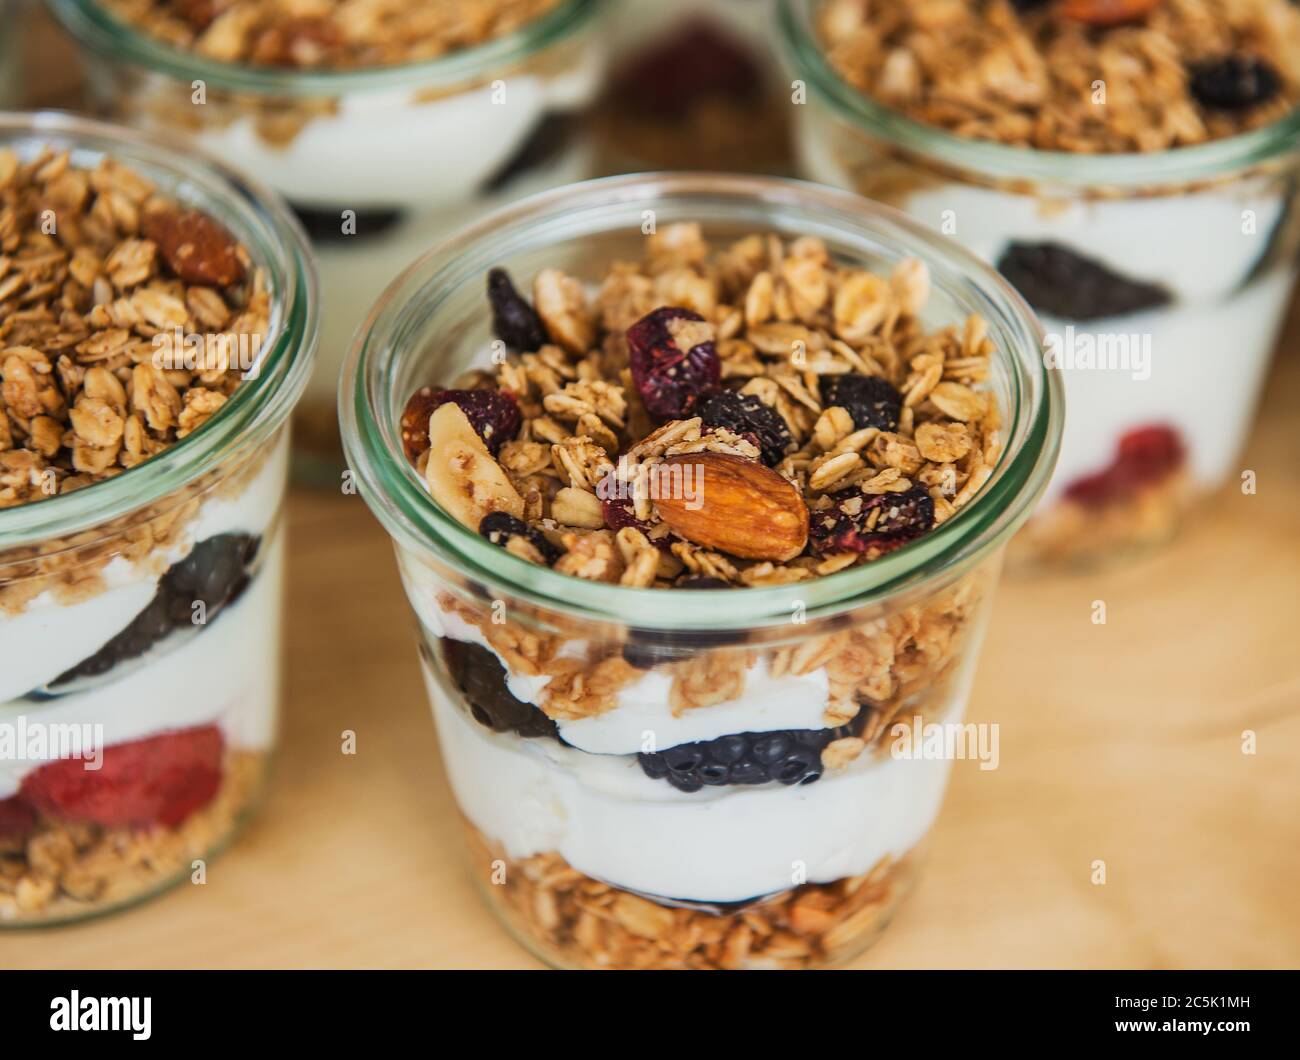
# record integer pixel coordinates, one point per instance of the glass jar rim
(91, 24)
(258, 406)
(396, 493)
(996, 162)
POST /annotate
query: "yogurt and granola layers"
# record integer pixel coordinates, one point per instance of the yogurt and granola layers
(139, 656)
(718, 417)
(1131, 166)
(383, 122)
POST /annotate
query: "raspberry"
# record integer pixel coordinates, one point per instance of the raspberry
(494, 414)
(478, 673)
(157, 780)
(674, 362)
(845, 526)
(870, 400)
(500, 527)
(697, 61)
(1056, 280)
(747, 416)
(1234, 82)
(514, 321)
(16, 817)
(1143, 457)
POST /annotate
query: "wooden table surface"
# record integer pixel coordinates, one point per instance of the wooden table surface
(1119, 742)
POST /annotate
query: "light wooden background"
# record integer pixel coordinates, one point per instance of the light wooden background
(1118, 742)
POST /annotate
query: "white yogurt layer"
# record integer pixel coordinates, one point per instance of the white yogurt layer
(607, 819)
(1209, 348)
(227, 673)
(641, 719)
(386, 149)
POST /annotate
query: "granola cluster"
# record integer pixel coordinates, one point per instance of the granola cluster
(64, 869)
(327, 34)
(1090, 76)
(123, 318)
(575, 921)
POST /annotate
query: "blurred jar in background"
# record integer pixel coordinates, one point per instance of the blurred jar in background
(10, 27)
(380, 143)
(693, 84)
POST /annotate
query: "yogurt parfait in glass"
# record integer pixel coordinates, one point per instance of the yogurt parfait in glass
(699, 487)
(157, 324)
(1132, 167)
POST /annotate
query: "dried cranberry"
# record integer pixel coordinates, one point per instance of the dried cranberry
(620, 513)
(846, 525)
(514, 321)
(673, 359)
(1144, 457)
(1234, 82)
(500, 527)
(1055, 279)
(745, 415)
(870, 400)
(494, 414)
(697, 61)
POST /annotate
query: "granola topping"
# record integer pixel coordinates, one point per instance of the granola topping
(1092, 76)
(327, 34)
(820, 371)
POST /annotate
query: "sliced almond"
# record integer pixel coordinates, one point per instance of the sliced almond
(731, 504)
(461, 474)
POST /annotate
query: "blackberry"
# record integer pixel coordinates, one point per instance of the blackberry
(500, 527)
(214, 573)
(514, 321)
(745, 414)
(674, 362)
(846, 524)
(1234, 82)
(870, 400)
(478, 673)
(1056, 280)
(788, 756)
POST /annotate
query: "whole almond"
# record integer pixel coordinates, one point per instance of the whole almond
(1107, 12)
(196, 247)
(732, 505)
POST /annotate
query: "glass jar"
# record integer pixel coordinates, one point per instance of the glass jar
(379, 162)
(179, 716)
(1201, 242)
(693, 84)
(10, 36)
(590, 858)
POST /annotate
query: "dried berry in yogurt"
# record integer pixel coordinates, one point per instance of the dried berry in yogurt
(478, 673)
(673, 359)
(1057, 280)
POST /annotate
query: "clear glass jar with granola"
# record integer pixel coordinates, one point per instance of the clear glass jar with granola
(1133, 167)
(689, 527)
(384, 123)
(157, 325)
